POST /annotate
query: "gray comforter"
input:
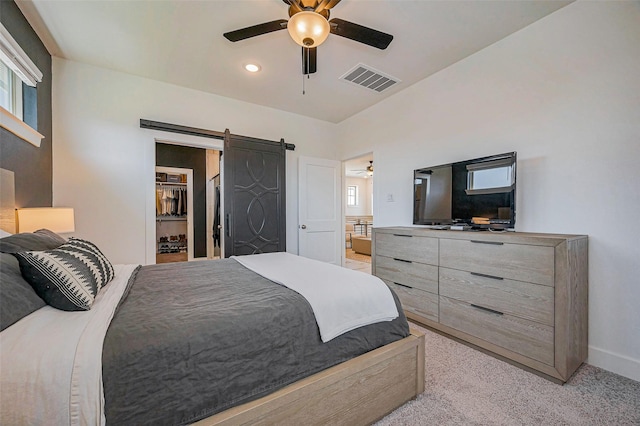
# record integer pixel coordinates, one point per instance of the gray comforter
(193, 339)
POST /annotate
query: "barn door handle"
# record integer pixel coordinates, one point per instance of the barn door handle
(227, 224)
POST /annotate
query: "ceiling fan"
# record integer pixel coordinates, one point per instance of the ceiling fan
(309, 26)
(368, 170)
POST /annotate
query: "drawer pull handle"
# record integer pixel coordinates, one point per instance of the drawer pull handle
(402, 260)
(482, 308)
(493, 277)
(402, 235)
(402, 285)
(495, 243)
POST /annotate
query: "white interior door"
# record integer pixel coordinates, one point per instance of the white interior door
(320, 233)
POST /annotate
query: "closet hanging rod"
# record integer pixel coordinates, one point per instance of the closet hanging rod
(171, 183)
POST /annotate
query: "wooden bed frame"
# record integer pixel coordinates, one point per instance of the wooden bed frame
(356, 392)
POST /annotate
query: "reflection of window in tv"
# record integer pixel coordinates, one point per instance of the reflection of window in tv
(433, 193)
(490, 177)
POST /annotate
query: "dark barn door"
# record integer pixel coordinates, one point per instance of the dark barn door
(254, 196)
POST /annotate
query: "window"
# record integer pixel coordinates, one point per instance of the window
(10, 90)
(16, 69)
(352, 195)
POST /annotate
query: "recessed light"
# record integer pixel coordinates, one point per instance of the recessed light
(252, 67)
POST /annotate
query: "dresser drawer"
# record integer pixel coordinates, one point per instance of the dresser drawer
(514, 261)
(525, 300)
(417, 301)
(413, 274)
(528, 338)
(407, 247)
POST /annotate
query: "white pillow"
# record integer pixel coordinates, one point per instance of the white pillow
(4, 233)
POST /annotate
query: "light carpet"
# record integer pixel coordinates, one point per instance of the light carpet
(467, 387)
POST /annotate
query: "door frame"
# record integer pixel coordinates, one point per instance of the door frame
(189, 173)
(344, 196)
(150, 182)
(189, 136)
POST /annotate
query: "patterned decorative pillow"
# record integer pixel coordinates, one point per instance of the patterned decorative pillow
(105, 266)
(68, 277)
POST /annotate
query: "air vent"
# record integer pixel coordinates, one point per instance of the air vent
(365, 76)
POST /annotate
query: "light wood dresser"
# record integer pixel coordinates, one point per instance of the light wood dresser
(522, 296)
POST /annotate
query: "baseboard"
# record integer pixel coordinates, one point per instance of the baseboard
(616, 363)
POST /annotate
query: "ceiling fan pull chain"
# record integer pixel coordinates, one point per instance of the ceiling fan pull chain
(307, 57)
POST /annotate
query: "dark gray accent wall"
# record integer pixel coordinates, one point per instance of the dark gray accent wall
(32, 165)
(190, 158)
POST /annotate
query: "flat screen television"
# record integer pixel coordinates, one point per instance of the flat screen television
(480, 193)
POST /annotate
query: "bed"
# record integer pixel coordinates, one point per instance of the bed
(209, 342)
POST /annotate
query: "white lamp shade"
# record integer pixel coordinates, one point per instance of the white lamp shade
(56, 219)
(308, 29)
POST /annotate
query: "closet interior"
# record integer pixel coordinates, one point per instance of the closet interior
(188, 203)
(174, 229)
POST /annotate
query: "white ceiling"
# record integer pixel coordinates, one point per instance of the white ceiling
(181, 42)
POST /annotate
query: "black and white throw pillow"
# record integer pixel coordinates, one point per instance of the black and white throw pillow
(68, 277)
(106, 268)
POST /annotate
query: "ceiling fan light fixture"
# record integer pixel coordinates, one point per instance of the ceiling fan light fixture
(308, 29)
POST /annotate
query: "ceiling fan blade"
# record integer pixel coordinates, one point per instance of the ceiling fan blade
(256, 30)
(309, 60)
(360, 34)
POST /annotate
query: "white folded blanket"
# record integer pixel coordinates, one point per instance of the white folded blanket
(341, 299)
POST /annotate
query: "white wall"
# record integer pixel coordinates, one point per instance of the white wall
(365, 190)
(103, 162)
(565, 94)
